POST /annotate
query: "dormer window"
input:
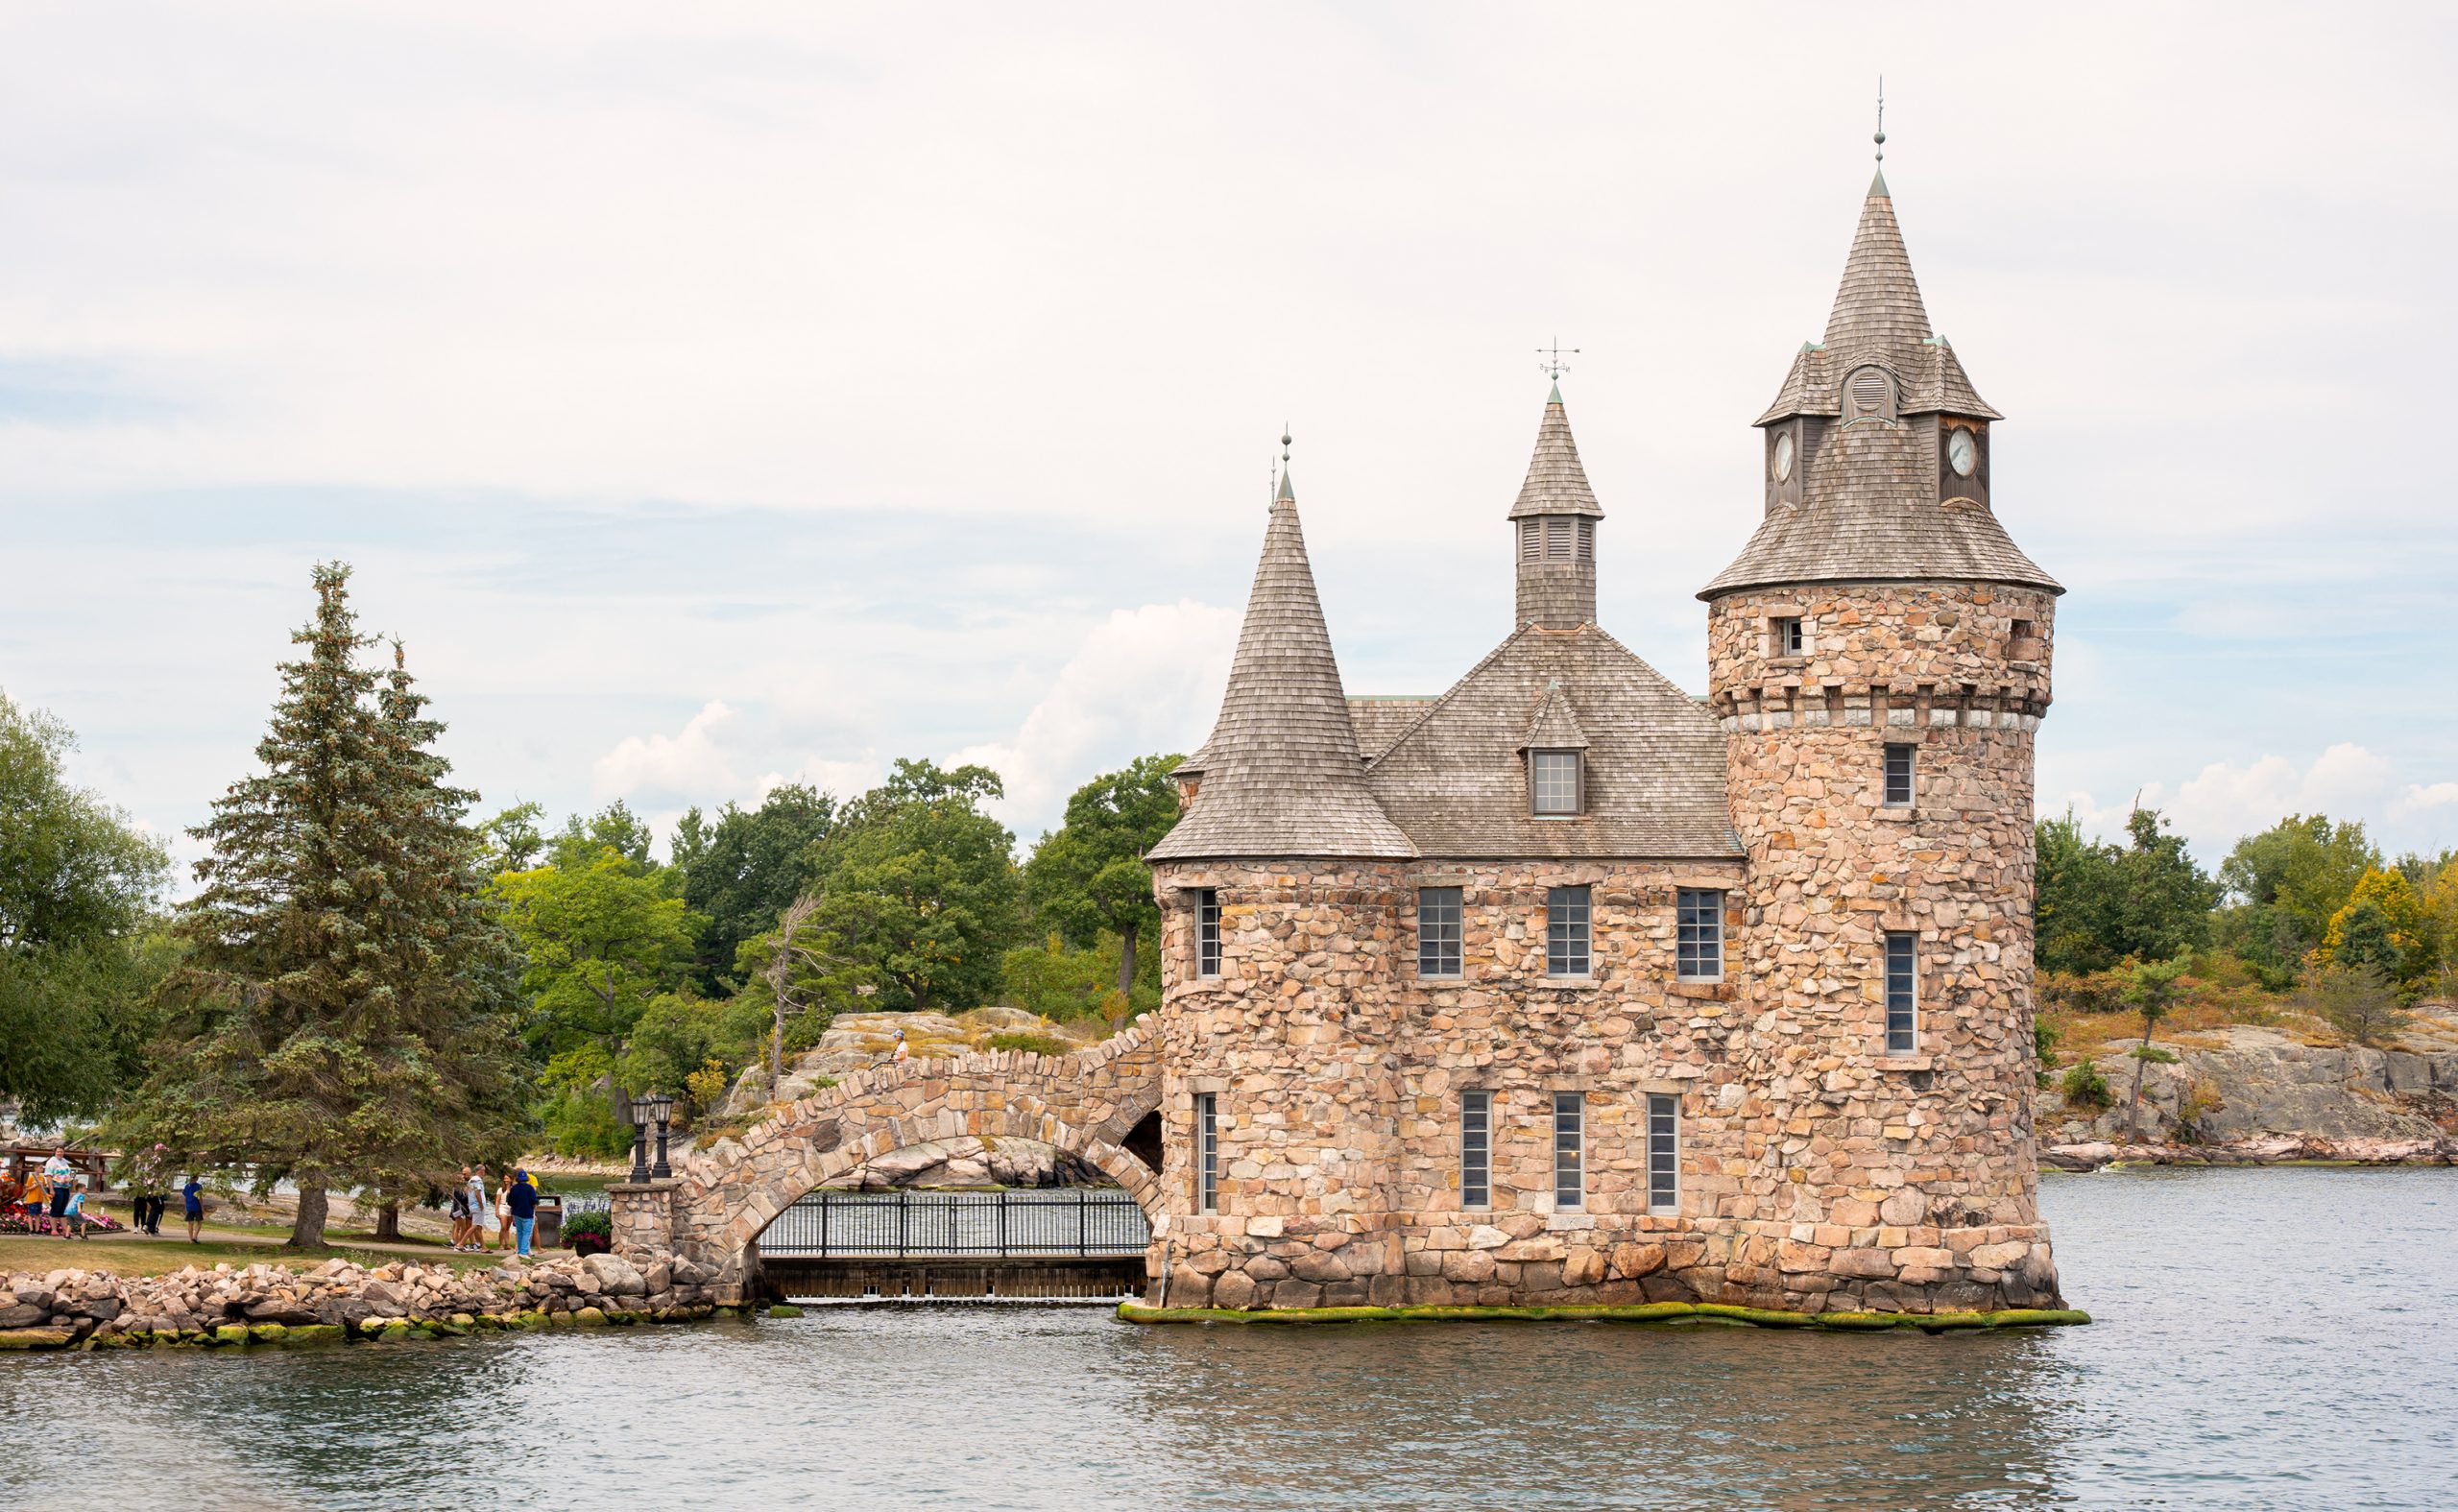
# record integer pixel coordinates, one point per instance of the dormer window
(1868, 394)
(1554, 782)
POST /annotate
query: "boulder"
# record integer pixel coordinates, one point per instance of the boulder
(615, 1276)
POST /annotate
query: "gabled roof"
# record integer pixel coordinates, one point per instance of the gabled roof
(1556, 727)
(1556, 484)
(1456, 780)
(1380, 719)
(1280, 773)
(1870, 514)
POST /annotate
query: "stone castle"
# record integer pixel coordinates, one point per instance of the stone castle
(1569, 986)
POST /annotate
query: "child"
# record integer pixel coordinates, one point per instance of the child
(75, 1211)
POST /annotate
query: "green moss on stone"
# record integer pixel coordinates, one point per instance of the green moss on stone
(268, 1333)
(784, 1309)
(589, 1319)
(316, 1333)
(1695, 1313)
(230, 1333)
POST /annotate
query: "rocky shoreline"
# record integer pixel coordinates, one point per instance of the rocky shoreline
(2273, 1150)
(340, 1301)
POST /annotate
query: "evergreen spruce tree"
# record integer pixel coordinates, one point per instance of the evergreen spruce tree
(344, 1017)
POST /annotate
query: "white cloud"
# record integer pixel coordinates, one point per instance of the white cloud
(1144, 680)
(2227, 800)
(691, 764)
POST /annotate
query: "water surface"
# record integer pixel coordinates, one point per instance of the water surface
(2267, 1339)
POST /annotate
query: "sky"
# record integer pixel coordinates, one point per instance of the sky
(719, 396)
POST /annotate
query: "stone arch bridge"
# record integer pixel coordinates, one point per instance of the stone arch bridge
(1093, 1104)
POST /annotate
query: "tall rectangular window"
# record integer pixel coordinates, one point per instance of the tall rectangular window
(1206, 934)
(1552, 782)
(1699, 945)
(1207, 1153)
(1570, 1151)
(1898, 774)
(1664, 1153)
(1902, 994)
(1784, 638)
(1438, 931)
(1566, 932)
(1476, 1149)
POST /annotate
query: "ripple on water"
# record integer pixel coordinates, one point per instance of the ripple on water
(2268, 1338)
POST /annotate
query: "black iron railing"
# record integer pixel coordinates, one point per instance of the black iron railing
(1084, 1223)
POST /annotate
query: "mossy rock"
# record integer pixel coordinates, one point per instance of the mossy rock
(306, 1333)
(784, 1309)
(395, 1329)
(589, 1319)
(464, 1320)
(35, 1338)
(1693, 1314)
(230, 1333)
(268, 1333)
(447, 1331)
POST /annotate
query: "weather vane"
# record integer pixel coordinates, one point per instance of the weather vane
(1554, 367)
(1881, 136)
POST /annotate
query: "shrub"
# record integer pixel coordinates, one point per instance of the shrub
(2084, 992)
(1038, 1044)
(589, 1233)
(2043, 1052)
(2358, 1001)
(2085, 1088)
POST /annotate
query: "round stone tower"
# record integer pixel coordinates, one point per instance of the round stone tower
(1879, 660)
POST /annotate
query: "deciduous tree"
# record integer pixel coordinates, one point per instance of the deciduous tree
(1087, 879)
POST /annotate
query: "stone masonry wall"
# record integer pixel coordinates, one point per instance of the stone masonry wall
(1338, 1072)
(1861, 1140)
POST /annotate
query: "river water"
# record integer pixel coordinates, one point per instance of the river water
(2266, 1339)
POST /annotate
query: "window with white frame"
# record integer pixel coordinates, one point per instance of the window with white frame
(1207, 1153)
(1784, 637)
(1903, 992)
(1899, 774)
(1206, 934)
(1476, 1149)
(1439, 931)
(1570, 1151)
(1553, 782)
(1664, 1153)
(1566, 939)
(1698, 930)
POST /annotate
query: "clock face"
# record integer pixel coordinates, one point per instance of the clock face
(1962, 452)
(1781, 463)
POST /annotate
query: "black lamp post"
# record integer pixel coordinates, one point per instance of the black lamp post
(658, 1107)
(640, 1141)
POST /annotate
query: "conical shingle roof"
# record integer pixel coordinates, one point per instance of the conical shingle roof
(1281, 773)
(1556, 484)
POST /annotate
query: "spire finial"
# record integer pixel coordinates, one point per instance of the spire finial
(1554, 367)
(1881, 136)
(1286, 492)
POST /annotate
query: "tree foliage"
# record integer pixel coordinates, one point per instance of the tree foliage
(344, 1015)
(741, 873)
(2099, 904)
(1087, 879)
(79, 950)
(2282, 887)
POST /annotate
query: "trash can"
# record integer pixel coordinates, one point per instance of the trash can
(549, 1235)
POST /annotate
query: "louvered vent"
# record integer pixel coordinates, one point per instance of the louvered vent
(1588, 540)
(1557, 538)
(1868, 393)
(1530, 540)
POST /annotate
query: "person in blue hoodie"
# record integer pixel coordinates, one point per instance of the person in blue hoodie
(522, 1199)
(192, 1208)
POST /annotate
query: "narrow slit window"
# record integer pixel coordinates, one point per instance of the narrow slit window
(1664, 1153)
(1438, 931)
(1902, 994)
(1476, 1149)
(1206, 934)
(1553, 782)
(1698, 928)
(1207, 1153)
(1899, 772)
(1570, 1151)
(1784, 638)
(1566, 932)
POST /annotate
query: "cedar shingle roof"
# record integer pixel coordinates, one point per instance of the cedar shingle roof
(1380, 719)
(1282, 775)
(1556, 484)
(1870, 509)
(1457, 782)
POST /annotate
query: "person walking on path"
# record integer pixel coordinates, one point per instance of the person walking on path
(461, 1220)
(73, 1213)
(503, 1213)
(56, 1174)
(522, 1198)
(192, 1208)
